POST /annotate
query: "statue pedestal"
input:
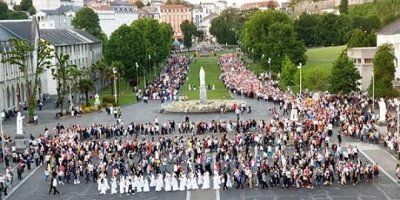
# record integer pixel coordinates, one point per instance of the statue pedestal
(203, 94)
(21, 142)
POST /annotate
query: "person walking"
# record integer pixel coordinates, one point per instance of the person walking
(54, 184)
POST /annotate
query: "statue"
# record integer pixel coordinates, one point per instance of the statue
(202, 76)
(382, 111)
(20, 120)
(96, 100)
(203, 90)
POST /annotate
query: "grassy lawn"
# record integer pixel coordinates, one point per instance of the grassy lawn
(126, 94)
(212, 71)
(323, 54)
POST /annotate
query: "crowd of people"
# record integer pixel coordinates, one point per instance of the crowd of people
(295, 148)
(167, 85)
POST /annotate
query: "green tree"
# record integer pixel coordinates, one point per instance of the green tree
(227, 27)
(86, 19)
(188, 30)
(384, 70)
(344, 78)
(3, 10)
(17, 15)
(85, 86)
(128, 46)
(271, 33)
(307, 29)
(19, 55)
(288, 71)
(361, 38)
(344, 6)
(61, 72)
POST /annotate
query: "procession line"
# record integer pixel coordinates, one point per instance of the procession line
(381, 169)
(22, 182)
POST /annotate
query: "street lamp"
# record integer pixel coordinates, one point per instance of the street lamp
(115, 85)
(299, 67)
(2, 115)
(373, 92)
(154, 65)
(254, 58)
(269, 66)
(137, 76)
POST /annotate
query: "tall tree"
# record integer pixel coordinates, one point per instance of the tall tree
(307, 28)
(128, 46)
(271, 33)
(3, 10)
(61, 72)
(361, 38)
(188, 30)
(85, 86)
(288, 71)
(19, 55)
(384, 70)
(86, 19)
(344, 6)
(344, 78)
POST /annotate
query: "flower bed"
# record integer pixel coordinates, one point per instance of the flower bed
(194, 106)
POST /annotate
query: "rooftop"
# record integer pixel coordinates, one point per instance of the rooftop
(64, 37)
(391, 29)
(21, 29)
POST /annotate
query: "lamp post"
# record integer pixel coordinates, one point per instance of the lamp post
(2, 115)
(137, 74)
(154, 65)
(254, 58)
(299, 67)
(115, 85)
(373, 92)
(269, 66)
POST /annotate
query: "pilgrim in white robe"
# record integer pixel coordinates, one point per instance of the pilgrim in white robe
(140, 185)
(104, 186)
(122, 184)
(199, 178)
(167, 181)
(206, 181)
(159, 183)
(146, 187)
(182, 181)
(216, 181)
(175, 186)
(193, 179)
(114, 185)
(229, 181)
(152, 181)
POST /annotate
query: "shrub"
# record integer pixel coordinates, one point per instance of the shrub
(108, 100)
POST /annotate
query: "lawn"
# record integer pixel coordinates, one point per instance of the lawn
(315, 73)
(212, 71)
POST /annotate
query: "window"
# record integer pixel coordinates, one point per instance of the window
(359, 60)
(368, 60)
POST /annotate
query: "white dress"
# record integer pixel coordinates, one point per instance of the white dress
(114, 185)
(193, 179)
(152, 181)
(139, 186)
(159, 183)
(229, 181)
(128, 182)
(136, 183)
(175, 186)
(99, 184)
(104, 186)
(146, 187)
(122, 185)
(206, 181)
(167, 182)
(199, 179)
(182, 181)
(216, 181)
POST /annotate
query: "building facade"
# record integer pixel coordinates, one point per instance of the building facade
(12, 82)
(363, 60)
(112, 16)
(84, 50)
(391, 35)
(59, 18)
(175, 14)
(46, 4)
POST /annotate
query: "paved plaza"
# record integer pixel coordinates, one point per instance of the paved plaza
(34, 187)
